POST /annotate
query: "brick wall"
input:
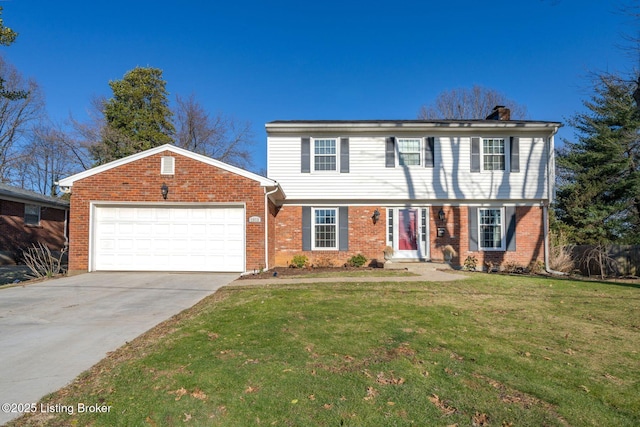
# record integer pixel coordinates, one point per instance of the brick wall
(15, 236)
(140, 181)
(529, 237)
(364, 237)
(369, 239)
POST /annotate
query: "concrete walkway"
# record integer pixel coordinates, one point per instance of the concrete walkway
(425, 272)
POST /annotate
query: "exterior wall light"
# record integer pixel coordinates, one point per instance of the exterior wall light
(165, 190)
(441, 215)
(376, 216)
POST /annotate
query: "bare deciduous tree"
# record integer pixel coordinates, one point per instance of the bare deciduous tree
(49, 155)
(219, 136)
(16, 115)
(475, 103)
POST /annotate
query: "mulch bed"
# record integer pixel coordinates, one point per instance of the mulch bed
(290, 271)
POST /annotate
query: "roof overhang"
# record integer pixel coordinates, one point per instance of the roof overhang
(391, 126)
(24, 196)
(263, 181)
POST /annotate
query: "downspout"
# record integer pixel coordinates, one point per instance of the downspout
(66, 190)
(545, 205)
(545, 219)
(266, 225)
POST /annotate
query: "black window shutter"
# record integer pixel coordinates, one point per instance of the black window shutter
(473, 229)
(343, 225)
(305, 159)
(510, 213)
(306, 228)
(515, 154)
(475, 154)
(344, 155)
(390, 152)
(429, 154)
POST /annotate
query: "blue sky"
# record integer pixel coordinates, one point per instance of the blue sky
(260, 61)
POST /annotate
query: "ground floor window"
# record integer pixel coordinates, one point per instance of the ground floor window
(31, 215)
(325, 228)
(490, 223)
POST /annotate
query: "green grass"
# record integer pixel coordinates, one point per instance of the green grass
(491, 350)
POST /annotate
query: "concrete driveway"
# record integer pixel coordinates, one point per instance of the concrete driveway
(52, 331)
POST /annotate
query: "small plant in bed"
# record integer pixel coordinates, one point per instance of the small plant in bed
(357, 261)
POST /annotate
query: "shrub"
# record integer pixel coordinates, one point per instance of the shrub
(471, 263)
(299, 261)
(324, 262)
(357, 260)
(513, 268)
(41, 262)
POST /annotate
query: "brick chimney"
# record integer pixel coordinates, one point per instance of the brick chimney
(500, 112)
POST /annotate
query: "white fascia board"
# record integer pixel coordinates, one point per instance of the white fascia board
(265, 182)
(407, 126)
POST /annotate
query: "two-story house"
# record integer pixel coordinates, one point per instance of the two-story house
(335, 189)
(480, 187)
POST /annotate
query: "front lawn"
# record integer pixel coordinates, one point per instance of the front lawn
(487, 351)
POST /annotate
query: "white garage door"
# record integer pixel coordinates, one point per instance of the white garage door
(176, 238)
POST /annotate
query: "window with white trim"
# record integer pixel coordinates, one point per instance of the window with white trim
(493, 154)
(325, 154)
(31, 215)
(409, 151)
(491, 228)
(325, 228)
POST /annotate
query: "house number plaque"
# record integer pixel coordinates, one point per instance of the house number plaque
(255, 219)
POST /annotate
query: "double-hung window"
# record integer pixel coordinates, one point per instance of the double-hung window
(493, 153)
(409, 151)
(325, 228)
(491, 228)
(31, 215)
(325, 156)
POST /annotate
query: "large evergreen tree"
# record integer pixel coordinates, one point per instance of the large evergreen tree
(137, 117)
(599, 192)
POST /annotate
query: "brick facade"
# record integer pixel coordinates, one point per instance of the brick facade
(15, 236)
(193, 181)
(365, 237)
(529, 237)
(369, 240)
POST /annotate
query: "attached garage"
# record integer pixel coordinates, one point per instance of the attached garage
(168, 238)
(169, 209)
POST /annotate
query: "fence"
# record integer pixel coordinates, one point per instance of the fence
(612, 260)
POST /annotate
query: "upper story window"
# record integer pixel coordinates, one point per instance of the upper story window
(325, 154)
(409, 151)
(491, 229)
(493, 154)
(31, 215)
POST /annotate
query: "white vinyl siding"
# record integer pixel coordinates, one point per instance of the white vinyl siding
(449, 179)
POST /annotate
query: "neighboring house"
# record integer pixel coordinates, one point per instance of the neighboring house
(336, 189)
(27, 218)
(482, 187)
